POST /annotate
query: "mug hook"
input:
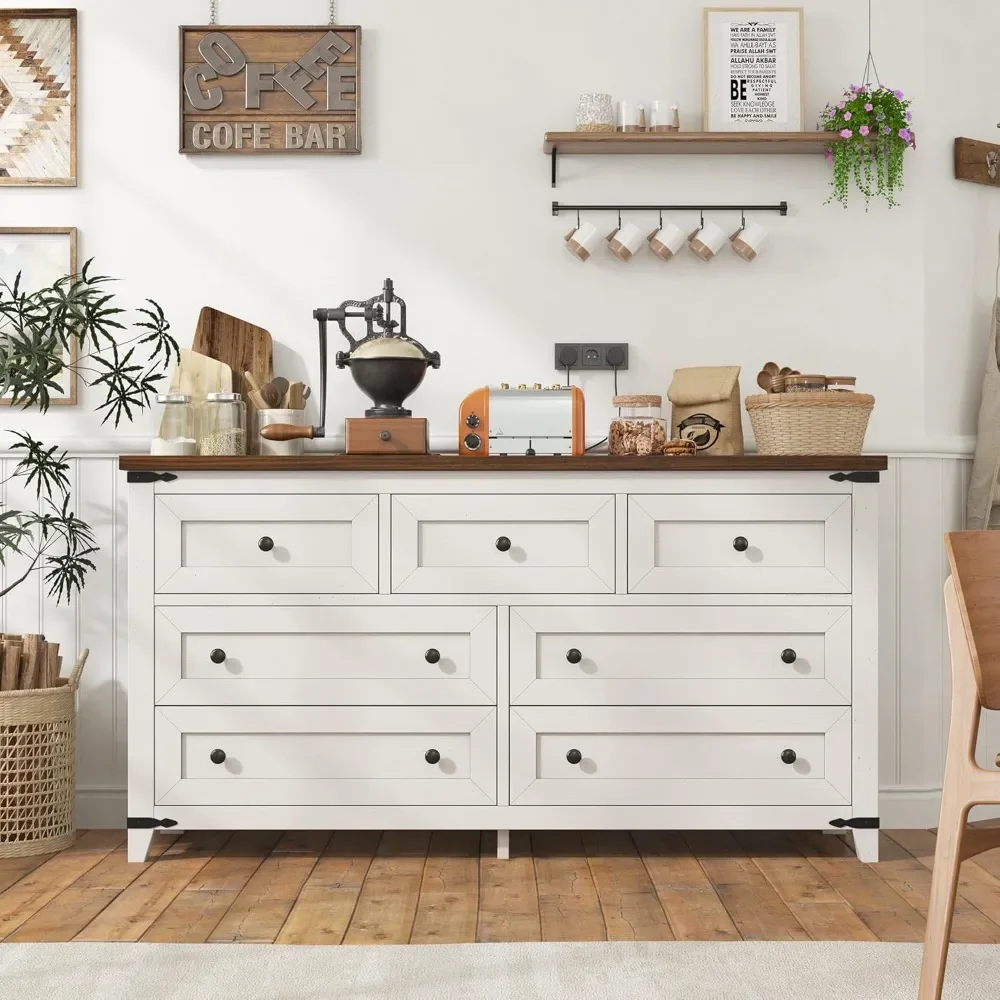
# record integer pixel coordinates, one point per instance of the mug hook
(743, 219)
(661, 218)
(619, 218)
(702, 211)
(578, 218)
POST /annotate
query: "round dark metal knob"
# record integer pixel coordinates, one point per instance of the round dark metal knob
(503, 544)
(265, 544)
(432, 756)
(574, 656)
(217, 756)
(740, 544)
(432, 656)
(473, 442)
(789, 656)
(574, 756)
(788, 757)
(385, 436)
(217, 656)
(472, 420)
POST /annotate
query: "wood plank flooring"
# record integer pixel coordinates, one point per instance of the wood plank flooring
(399, 887)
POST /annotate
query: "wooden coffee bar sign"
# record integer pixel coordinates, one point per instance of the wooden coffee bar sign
(269, 89)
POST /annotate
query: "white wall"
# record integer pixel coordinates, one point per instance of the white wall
(451, 198)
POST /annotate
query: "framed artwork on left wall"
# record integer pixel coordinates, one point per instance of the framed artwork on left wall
(38, 96)
(41, 256)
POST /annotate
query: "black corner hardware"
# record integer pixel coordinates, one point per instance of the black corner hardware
(265, 544)
(574, 756)
(868, 476)
(503, 544)
(857, 823)
(783, 208)
(574, 656)
(555, 168)
(217, 756)
(789, 756)
(217, 656)
(148, 823)
(432, 756)
(151, 477)
(789, 656)
(740, 544)
(432, 656)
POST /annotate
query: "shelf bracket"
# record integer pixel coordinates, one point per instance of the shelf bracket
(555, 165)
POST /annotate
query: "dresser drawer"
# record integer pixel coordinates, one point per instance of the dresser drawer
(303, 756)
(680, 756)
(751, 544)
(263, 544)
(680, 656)
(326, 656)
(473, 544)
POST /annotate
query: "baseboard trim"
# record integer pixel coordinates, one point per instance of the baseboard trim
(100, 808)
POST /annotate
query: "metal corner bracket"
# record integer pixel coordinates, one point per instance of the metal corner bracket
(149, 823)
(867, 476)
(857, 823)
(151, 477)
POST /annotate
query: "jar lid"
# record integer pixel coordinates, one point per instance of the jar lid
(223, 397)
(637, 399)
(173, 397)
(805, 380)
(841, 380)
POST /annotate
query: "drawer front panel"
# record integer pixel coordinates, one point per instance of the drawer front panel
(680, 756)
(514, 544)
(325, 756)
(680, 656)
(789, 544)
(326, 656)
(320, 544)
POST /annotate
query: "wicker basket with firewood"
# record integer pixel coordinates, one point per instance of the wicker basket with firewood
(37, 747)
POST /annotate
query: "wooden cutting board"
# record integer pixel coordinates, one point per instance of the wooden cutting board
(197, 375)
(240, 345)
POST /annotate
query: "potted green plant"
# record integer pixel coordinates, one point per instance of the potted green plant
(874, 126)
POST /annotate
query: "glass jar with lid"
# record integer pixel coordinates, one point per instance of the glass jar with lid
(223, 425)
(175, 427)
(639, 428)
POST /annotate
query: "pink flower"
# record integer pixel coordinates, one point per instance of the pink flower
(847, 116)
(846, 133)
(828, 154)
(905, 134)
(887, 130)
(864, 130)
(869, 106)
(840, 105)
(898, 94)
(909, 116)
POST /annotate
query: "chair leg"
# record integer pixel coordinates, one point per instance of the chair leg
(944, 885)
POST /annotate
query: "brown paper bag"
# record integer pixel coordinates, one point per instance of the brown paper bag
(706, 409)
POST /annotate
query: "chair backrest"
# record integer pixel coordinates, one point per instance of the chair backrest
(975, 570)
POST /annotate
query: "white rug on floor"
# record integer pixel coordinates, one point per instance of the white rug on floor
(685, 971)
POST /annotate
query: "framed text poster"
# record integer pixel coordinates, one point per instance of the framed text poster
(753, 69)
(267, 89)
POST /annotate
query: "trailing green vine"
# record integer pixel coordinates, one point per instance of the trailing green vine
(874, 125)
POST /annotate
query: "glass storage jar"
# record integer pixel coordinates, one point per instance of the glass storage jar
(639, 428)
(223, 425)
(175, 427)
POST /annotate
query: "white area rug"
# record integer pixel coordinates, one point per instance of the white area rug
(685, 971)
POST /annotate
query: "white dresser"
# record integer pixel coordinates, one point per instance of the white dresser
(503, 644)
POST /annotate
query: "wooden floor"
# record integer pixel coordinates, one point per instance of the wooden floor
(399, 887)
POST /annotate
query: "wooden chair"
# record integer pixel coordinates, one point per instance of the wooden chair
(972, 607)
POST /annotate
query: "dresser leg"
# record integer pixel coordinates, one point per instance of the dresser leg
(866, 845)
(139, 842)
(503, 845)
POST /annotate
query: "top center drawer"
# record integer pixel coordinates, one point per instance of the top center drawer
(509, 544)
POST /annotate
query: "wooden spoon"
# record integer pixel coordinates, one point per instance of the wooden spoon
(764, 380)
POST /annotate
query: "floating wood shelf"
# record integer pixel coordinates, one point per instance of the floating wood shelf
(603, 143)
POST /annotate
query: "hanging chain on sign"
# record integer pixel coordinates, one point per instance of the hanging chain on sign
(213, 11)
(333, 11)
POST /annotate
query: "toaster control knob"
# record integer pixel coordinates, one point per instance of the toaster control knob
(473, 442)
(472, 420)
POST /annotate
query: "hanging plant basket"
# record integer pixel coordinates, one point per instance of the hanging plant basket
(873, 122)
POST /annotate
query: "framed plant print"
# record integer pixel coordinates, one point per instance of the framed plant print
(42, 257)
(38, 96)
(753, 69)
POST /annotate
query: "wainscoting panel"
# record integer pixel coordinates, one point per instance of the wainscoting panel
(922, 498)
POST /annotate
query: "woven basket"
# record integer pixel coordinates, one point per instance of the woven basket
(810, 423)
(38, 767)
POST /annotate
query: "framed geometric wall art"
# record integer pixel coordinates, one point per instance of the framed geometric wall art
(41, 256)
(753, 69)
(38, 96)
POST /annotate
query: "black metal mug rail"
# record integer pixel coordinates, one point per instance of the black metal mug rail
(781, 208)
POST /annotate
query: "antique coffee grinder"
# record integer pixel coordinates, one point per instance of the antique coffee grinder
(387, 365)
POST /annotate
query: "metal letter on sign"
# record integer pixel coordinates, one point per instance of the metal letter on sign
(249, 89)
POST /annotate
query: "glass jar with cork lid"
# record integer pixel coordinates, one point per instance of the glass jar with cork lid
(223, 425)
(639, 428)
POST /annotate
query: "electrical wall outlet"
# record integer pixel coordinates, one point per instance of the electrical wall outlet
(592, 357)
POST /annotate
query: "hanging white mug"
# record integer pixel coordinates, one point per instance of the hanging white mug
(706, 241)
(666, 241)
(747, 241)
(626, 241)
(583, 240)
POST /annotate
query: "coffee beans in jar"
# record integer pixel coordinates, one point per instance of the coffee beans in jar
(639, 428)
